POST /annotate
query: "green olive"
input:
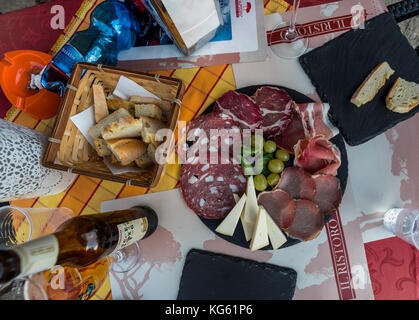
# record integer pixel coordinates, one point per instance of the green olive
(273, 179)
(260, 182)
(275, 166)
(282, 155)
(269, 146)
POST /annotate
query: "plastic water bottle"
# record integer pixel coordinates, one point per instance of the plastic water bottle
(113, 28)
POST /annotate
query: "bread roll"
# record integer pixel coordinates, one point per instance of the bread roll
(96, 131)
(126, 127)
(127, 151)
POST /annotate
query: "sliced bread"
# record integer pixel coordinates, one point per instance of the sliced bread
(102, 148)
(403, 96)
(126, 127)
(148, 110)
(100, 106)
(372, 84)
(96, 131)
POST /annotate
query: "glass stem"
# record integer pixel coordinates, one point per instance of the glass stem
(291, 32)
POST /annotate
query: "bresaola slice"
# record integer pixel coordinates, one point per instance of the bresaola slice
(328, 193)
(208, 188)
(277, 109)
(279, 205)
(298, 183)
(317, 156)
(241, 109)
(308, 221)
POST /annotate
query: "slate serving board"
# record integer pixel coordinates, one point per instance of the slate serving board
(337, 69)
(213, 276)
(238, 237)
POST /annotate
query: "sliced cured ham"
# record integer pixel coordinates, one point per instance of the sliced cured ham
(308, 221)
(328, 193)
(241, 108)
(208, 189)
(315, 120)
(317, 156)
(298, 183)
(292, 134)
(277, 109)
(280, 206)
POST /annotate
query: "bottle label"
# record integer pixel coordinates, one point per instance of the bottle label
(131, 232)
(66, 58)
(37, 255)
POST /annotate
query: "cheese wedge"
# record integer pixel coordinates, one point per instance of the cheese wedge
(229, 223)
(250, 212)
(276, 236)
(260, 237)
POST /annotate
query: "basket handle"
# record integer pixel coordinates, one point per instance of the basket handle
(404, 10)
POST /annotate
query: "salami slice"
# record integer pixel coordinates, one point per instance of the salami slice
(277, 109)
(208, 189)
(308, 221)
(298, 183)
(280, 206)
(212, 137)
(241, 108)
(328, 193)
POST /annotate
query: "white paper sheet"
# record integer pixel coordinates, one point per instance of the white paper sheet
(126, 88)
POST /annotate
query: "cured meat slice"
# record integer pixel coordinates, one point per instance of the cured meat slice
(277, 109)
(241, 108)
(208, 189)
(317, 156)
(280, 206)
(315, 120)
(211, 137)
(298, 183)
(292, 134)
(328, 193)
(308, 221)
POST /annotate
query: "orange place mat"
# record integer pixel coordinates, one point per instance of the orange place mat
(203, 86)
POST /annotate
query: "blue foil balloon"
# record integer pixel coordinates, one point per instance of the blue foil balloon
(113, 28)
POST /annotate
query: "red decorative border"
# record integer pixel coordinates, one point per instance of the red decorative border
(340, 258)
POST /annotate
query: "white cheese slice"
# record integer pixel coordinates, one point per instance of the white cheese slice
(247, 227)
(260, 233)
(275, 234)
(229, 223)
(251, 209)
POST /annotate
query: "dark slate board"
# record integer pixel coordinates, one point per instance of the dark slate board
(238, 237)
(212, 276)
(337, 69)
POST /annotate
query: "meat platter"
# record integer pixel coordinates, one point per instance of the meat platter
(298, 188)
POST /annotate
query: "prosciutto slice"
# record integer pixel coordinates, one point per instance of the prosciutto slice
(279, 205)
(298, 183)
(277, 109)
(308, 221)
(292, 134)
(241, 108)
(317, 156)
(315, 120)
(328, 193)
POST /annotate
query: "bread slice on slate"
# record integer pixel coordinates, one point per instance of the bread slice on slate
(372, 84)
(403, 96)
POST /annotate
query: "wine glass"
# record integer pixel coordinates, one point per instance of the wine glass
(294, 44)
(125, 259)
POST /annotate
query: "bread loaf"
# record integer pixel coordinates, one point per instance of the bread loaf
(148, 110)
(102, 147)
(166, 106)
(372, 84)
(149, 129)
(100, 106)
(403, 96)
